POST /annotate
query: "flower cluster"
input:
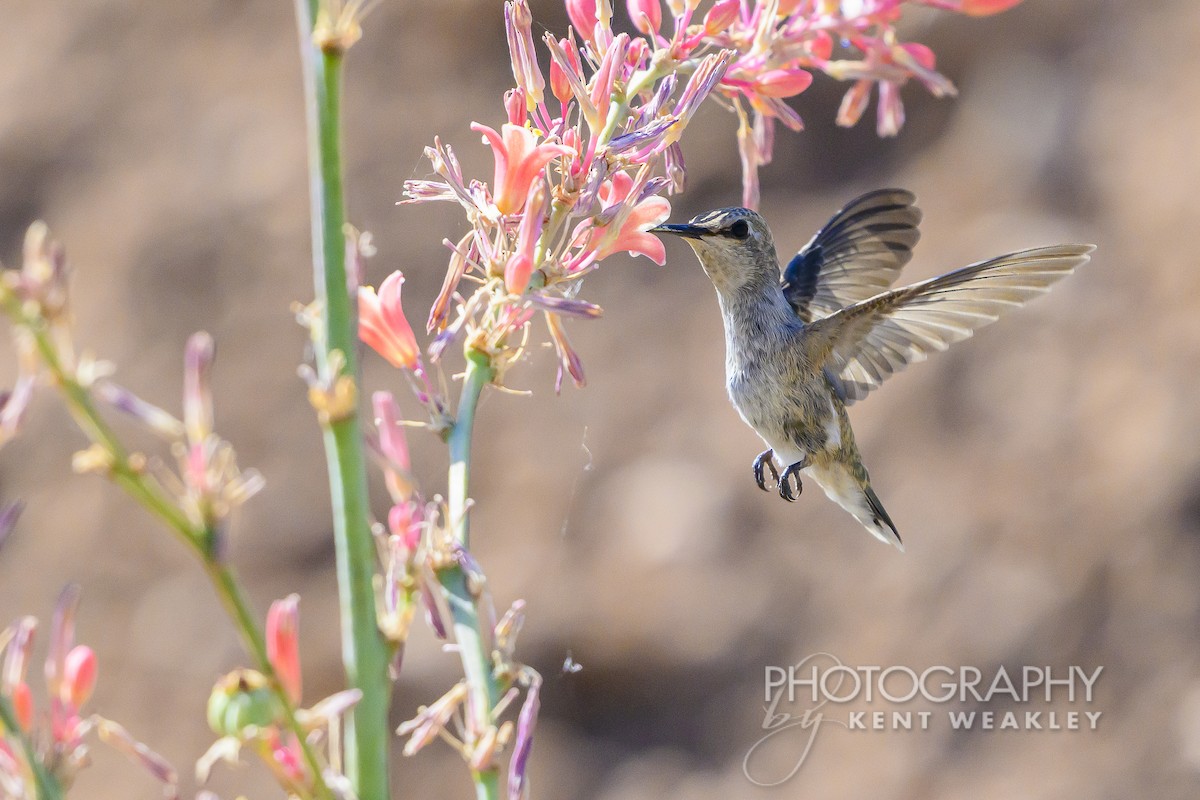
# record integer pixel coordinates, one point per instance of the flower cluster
(48, 743)
(245, 711)
(584, 157)
(200, 495)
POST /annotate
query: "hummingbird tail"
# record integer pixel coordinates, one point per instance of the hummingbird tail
(857, 497)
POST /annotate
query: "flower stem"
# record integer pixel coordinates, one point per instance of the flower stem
(470, 629)
(478, 375)
(224, 579)
(364, 652)
(46, 785)
(151, 496)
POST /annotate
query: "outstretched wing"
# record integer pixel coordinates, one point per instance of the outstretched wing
(866, 342)
(858, 254)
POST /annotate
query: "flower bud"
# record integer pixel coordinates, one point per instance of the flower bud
(721, 16)
(514, 104)
(239, 700)
(583, 16)
(783, 82)
(921, 54)
(646, 15)
(820, 46)
(22, 705)
(79, 675)
(283, 643)
(983, 8)
(560, 84)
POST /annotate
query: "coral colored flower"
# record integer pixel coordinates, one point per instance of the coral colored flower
(854, 103)
(982, 8)
(560, 81)
(783, 82)
(519, 162)
(79, 675)
(283, 643)
(646, 15)
(382, 325)
(630, 233)
(22, 703)
(583, 16)
(519, 268)
(721, 16)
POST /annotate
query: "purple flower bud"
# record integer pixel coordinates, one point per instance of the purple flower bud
(666, 88)
(703, 80)
(433, 612)
(647, 138)
(566, 305)
(149, 415)
(526, 724)
(197, 388)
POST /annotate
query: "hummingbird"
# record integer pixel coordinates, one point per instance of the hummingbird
(804, 342)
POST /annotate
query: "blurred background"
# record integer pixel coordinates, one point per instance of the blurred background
(1045, 475)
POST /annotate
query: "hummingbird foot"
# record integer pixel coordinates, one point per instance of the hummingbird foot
(765, 460)
(791, 474)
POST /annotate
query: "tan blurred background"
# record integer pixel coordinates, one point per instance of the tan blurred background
(1044, 476)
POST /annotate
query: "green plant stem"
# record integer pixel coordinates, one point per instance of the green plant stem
(46, 785)
(469, 627)
(364, 651)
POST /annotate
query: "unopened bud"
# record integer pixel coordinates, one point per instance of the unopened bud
(241, 699)
(721, 16)
(79, 675)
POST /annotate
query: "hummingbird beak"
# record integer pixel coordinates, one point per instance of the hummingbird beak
(686, 231)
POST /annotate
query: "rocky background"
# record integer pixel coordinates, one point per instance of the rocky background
(1045, 475)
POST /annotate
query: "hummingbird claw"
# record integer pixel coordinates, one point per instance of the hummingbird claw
(766, 461)
(790, 474)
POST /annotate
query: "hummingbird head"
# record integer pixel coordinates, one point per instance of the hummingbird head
(734, 246)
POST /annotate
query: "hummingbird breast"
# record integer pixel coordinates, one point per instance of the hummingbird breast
(777, 389)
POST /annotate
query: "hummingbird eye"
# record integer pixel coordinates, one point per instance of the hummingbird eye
(740, 229)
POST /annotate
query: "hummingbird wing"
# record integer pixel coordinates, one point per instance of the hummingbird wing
(856, 255)
(864, 343)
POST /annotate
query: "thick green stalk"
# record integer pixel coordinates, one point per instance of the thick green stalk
(469, 627)
(364, 652)
(46, 785)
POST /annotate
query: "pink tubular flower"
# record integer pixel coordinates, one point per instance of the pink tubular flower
(721, 16)
(283, 643)
(854, 103)
(519, 268)
(79, 675)
(382, 325)
(646, 15)
(22, 703)
(891, 110)
(518, 21)
(561, 82)
(583, 16)
(783, 82)
(519, 162)
(630, 233)
(983, 8)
